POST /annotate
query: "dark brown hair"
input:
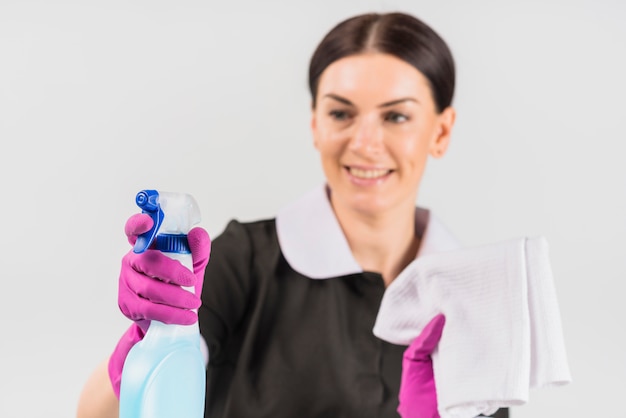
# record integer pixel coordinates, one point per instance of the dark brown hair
(398, 34)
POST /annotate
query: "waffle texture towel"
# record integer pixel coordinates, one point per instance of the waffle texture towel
(503, 331)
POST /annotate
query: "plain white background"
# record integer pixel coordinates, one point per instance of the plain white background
(101, 99)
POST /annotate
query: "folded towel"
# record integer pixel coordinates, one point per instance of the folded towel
(503, 330)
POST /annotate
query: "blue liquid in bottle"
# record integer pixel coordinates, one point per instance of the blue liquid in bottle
(164, 374)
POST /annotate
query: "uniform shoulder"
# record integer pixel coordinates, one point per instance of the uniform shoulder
(255, 226)
(257, 232)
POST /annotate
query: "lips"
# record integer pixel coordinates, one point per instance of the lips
(366, 175)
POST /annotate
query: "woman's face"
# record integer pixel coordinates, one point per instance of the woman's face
(374, 125)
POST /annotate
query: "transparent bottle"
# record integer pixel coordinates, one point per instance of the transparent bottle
(164, 374)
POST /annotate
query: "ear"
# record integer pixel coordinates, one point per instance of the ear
(314, 127)
(441, 140)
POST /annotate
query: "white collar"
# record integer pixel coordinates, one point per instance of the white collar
(314, 245)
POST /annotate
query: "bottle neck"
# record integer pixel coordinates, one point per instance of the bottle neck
(160, 330)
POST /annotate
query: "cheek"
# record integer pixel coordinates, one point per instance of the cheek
(411, 153)
(329, 141)
(414, 146)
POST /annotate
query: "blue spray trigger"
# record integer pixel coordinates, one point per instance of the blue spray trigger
(148, 201)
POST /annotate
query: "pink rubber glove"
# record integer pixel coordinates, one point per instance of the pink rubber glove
(150, 288)
(418, 396)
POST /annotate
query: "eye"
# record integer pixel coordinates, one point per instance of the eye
(396, 117)
(339, 115)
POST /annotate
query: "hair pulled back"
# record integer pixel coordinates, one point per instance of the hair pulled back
(398, 34)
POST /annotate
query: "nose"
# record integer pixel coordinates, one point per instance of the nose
(367, 136)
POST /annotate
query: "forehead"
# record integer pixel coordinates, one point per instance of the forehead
(374, 77)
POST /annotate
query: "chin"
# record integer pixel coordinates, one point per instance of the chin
(370, 204)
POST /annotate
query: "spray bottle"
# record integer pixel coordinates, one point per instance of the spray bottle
(164, 373)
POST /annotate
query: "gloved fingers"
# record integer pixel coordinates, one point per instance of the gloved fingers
(154, 263)
(424, 344)
(142, 309)
(139, 286)
(137, 224)
(200, 246)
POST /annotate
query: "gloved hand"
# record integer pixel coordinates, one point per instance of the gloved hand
(150, 289)
(418, 396)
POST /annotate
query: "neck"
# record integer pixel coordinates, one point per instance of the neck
(383, 242)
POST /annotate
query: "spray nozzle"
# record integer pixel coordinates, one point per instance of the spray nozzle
(148, 201)
(172, 213)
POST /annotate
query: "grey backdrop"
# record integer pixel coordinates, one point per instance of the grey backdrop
(101, 99)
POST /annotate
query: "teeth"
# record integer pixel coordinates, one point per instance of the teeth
(367, 174)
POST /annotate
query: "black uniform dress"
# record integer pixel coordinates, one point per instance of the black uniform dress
(291, 339)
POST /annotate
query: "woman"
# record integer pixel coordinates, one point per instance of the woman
(289, 303)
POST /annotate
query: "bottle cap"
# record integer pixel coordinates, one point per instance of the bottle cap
(172, 243)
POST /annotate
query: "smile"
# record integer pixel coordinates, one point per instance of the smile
(368, 174)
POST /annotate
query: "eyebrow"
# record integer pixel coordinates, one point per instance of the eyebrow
(386, 104)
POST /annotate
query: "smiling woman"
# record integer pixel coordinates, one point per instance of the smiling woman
(289, 303)
(374, 125)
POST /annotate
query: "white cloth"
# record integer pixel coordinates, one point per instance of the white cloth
(503, 328)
